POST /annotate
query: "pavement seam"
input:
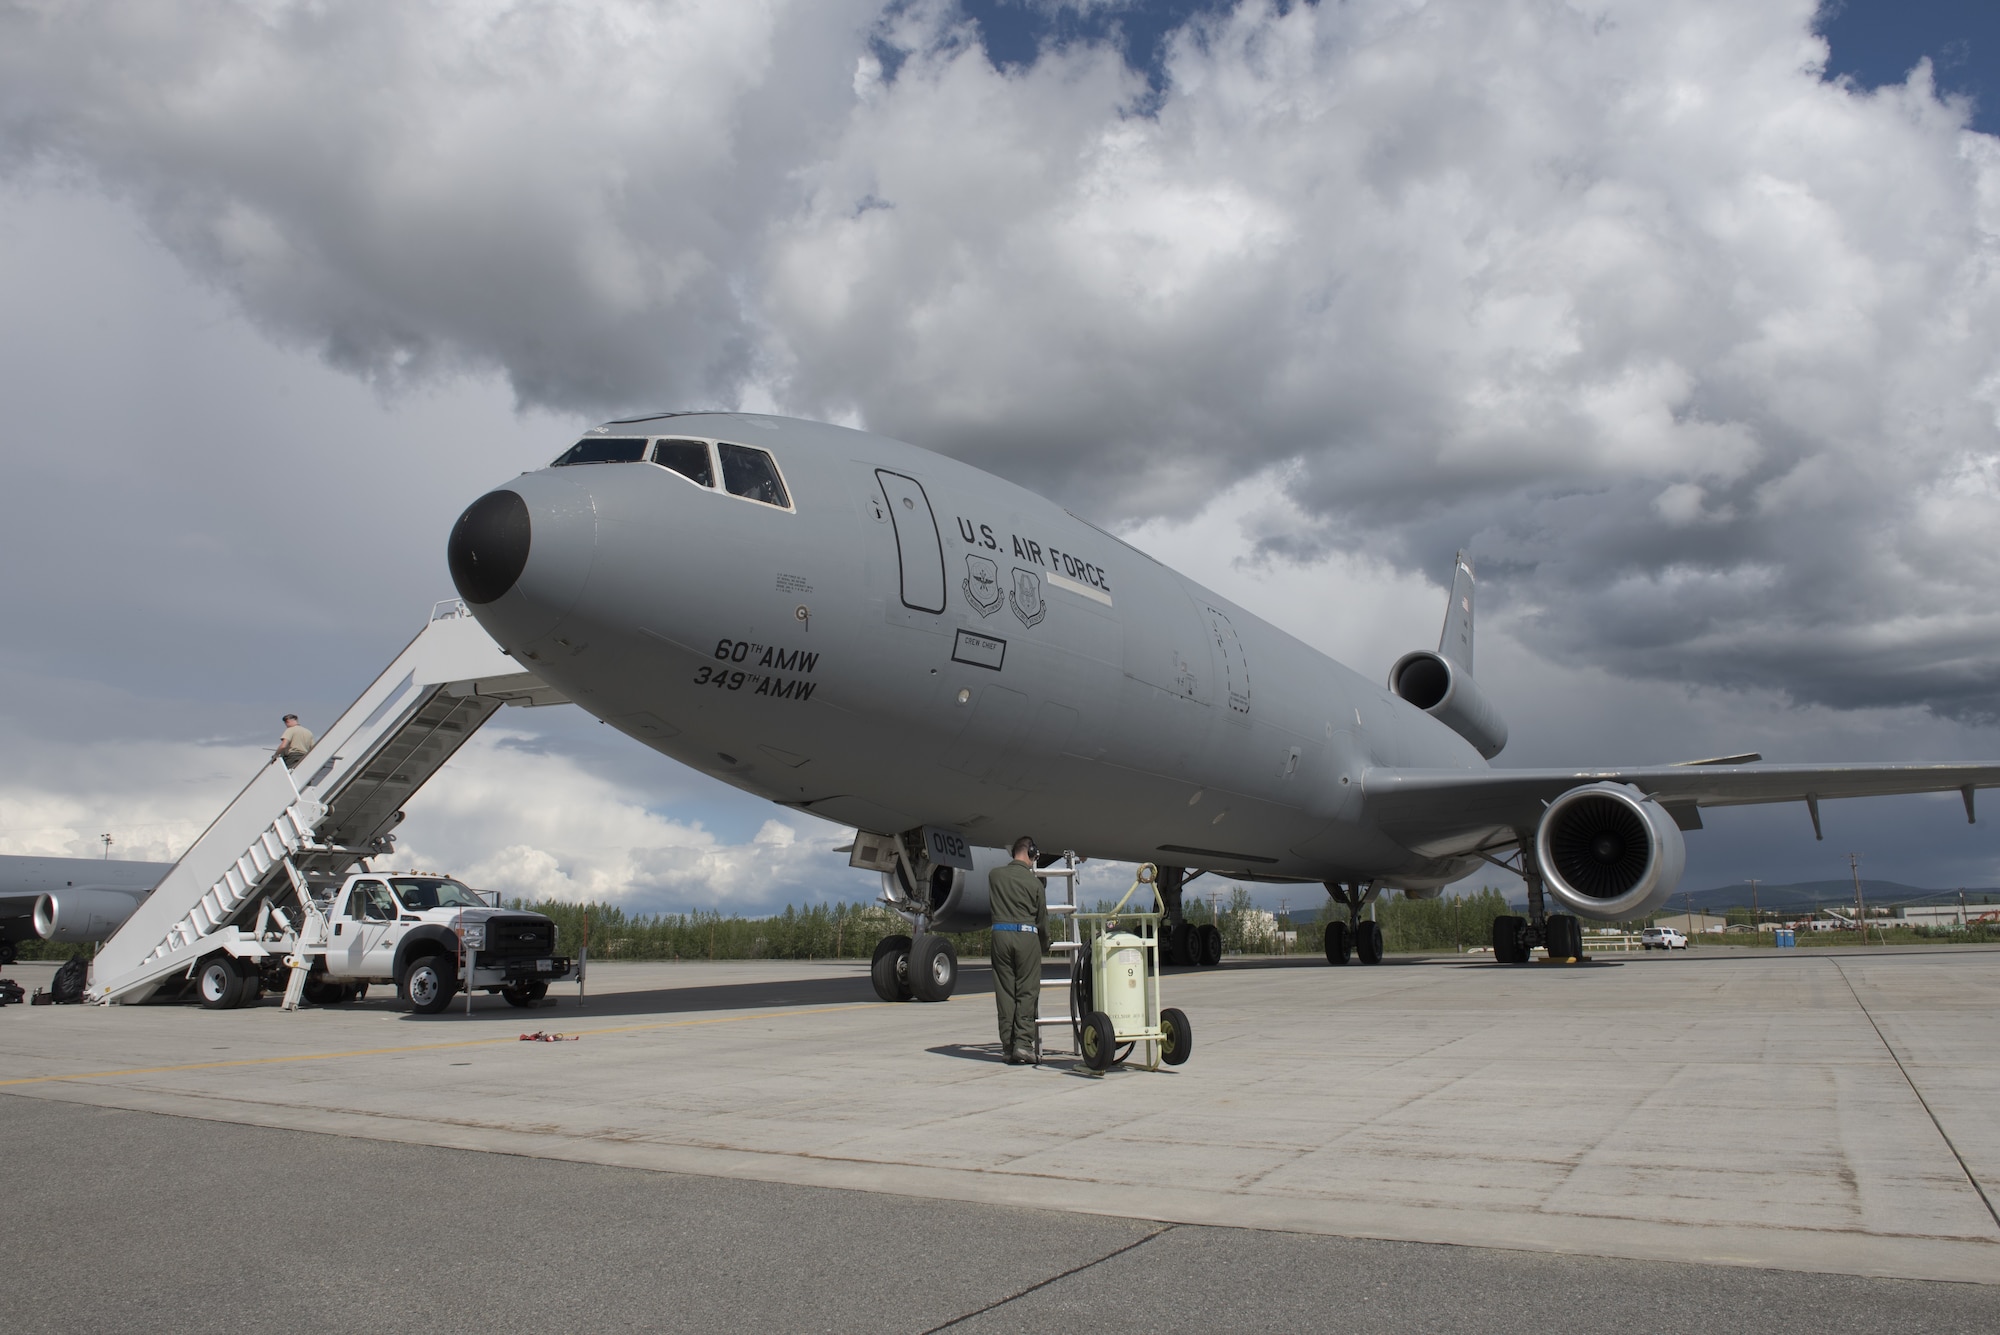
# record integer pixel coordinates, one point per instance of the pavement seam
(1043, 1284)
(1944, 1135)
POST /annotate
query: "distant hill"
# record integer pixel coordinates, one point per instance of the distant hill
(1801, 896)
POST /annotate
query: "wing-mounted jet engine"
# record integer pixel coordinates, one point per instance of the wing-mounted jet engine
(1441, 683)
(1608, 851)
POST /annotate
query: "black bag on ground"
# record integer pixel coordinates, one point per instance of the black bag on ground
(67, 986)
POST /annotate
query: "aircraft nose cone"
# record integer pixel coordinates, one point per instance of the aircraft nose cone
(489, 546)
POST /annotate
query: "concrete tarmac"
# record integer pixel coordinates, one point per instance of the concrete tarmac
(1647, 1139)
(121, 1221)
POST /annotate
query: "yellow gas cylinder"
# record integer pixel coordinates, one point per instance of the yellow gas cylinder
(1122, 981)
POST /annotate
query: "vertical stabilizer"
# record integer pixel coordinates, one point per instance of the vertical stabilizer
(1456, 641)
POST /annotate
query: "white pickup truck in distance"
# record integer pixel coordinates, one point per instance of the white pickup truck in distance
(414, 929)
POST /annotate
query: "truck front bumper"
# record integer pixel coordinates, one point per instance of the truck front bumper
(512, 972)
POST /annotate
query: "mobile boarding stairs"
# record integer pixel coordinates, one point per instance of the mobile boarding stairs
(289, 829)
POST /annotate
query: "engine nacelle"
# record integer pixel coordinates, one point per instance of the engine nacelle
(1432, 683)
(954, 898)
(1608, 851)
(80, 916)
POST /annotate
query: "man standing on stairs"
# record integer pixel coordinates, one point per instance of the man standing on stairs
(1020, 929)
(292, 747)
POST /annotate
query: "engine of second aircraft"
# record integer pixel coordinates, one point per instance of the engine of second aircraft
(1608, 851)
(79, 916)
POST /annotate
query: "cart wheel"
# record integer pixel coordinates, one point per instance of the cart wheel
(1176, 1036)
(1100, 1041)
(1338, 943)
(891, 970)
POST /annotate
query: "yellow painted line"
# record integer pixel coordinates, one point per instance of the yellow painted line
(427, 1047)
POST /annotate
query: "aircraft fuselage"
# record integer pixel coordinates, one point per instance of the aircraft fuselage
(910, 641)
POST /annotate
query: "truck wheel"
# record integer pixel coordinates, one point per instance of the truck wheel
(429, 984)
(526, 994)
(890, 971)
(1176, 1036)
(253, 980)
(218, 983)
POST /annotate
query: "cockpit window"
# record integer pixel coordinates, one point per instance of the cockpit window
(689, 458)
(603, 450)
(751, 473)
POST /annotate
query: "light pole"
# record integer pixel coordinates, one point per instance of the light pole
(1860, 904)
(1756, 918)
(107, 846)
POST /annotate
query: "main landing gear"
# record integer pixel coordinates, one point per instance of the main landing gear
(1515, 937)
(1359, 936)
(1188, 944)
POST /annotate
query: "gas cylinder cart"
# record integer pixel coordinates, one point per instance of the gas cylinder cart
(1114, 983)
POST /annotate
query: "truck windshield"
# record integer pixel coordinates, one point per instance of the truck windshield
(428, 892)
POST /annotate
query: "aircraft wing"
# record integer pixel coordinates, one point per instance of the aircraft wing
(1442, 811)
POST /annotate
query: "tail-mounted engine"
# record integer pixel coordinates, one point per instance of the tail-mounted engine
(1608, 851)
(1446, 691)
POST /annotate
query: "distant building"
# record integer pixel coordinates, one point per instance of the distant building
(1690, 923)
(1947, 915)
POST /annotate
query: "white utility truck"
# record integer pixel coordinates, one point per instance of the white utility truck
(423, 931)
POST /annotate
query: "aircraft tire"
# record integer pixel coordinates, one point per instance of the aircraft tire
(933, 969)
(1507, 947)
(1368, 942)
(1098, 1041)
(1339, 941)
(1211, 945)
(890, 971)
(1177, 1036)
(218, 984)
(1180, 950)
(1565, 935)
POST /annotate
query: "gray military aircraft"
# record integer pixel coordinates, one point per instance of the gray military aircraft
(874, 633)
(69, 899)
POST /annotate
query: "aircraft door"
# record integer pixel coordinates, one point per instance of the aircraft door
(1235, 669)
(919, 549)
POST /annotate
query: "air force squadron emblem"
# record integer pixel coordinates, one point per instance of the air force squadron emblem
(1027, 597)
(982, 585)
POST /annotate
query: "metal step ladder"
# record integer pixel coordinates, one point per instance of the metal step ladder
(433, 696)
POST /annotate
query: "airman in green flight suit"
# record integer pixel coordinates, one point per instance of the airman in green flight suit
(1020, 936)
